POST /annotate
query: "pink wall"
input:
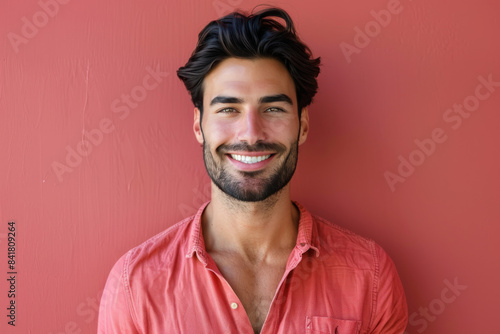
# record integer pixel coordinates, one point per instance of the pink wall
(65, 75)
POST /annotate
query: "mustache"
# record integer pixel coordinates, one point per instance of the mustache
(259, 146)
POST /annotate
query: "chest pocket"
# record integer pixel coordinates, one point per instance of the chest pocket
(327, 325)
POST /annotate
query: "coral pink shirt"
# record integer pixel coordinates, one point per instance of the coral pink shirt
(335, 282)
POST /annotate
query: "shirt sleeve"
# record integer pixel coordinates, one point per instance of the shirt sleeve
(116, 314)
(390, 308)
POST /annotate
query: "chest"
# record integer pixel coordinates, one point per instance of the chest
(255, 286)
(196, 300)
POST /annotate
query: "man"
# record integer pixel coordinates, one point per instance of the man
(252, 260)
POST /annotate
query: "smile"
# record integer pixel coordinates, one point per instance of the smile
(250, 160)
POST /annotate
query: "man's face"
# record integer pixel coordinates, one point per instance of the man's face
(250, 129)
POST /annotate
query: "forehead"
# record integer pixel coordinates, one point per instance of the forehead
(251, 78)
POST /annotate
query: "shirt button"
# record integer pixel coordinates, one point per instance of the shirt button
(234, 306)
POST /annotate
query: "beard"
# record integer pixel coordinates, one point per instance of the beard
(250, 186)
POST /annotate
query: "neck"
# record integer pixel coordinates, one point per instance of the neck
(254, 230)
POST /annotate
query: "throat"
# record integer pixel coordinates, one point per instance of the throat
(255, 286)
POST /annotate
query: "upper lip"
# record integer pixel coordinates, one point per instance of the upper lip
(250, 154)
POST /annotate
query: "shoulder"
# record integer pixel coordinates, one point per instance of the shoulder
(331, 235)
(346, 248)
(364, 262)
(341, 248)
(159, 251)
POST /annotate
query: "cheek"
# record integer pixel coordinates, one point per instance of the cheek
(217, 133)
(272, 130)
(279, 128)
(285, 131)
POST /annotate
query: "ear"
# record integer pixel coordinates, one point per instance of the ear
(197, 126)
(304, 125)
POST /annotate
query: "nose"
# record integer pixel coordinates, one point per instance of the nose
(251, 127)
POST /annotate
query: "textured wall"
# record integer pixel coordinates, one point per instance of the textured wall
(98, 152)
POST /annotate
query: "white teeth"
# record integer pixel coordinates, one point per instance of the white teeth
(249, 160)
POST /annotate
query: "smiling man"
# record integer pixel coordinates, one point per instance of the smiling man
(252, 260)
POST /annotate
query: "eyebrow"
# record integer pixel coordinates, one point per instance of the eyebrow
(264, 99)
(276, 98)
(225, 99)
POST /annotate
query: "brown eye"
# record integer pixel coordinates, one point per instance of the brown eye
(275, 109)
(227, 110)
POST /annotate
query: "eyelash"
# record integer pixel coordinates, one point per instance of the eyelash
(277, 109)
(225, 110)
(228, 110)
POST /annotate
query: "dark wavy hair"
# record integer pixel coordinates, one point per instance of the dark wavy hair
(257, 35)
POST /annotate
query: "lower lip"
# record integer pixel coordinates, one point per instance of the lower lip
(250, 167)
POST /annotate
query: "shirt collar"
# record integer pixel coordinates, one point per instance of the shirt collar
(305, 240)
(196, 242)
(307, 237)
